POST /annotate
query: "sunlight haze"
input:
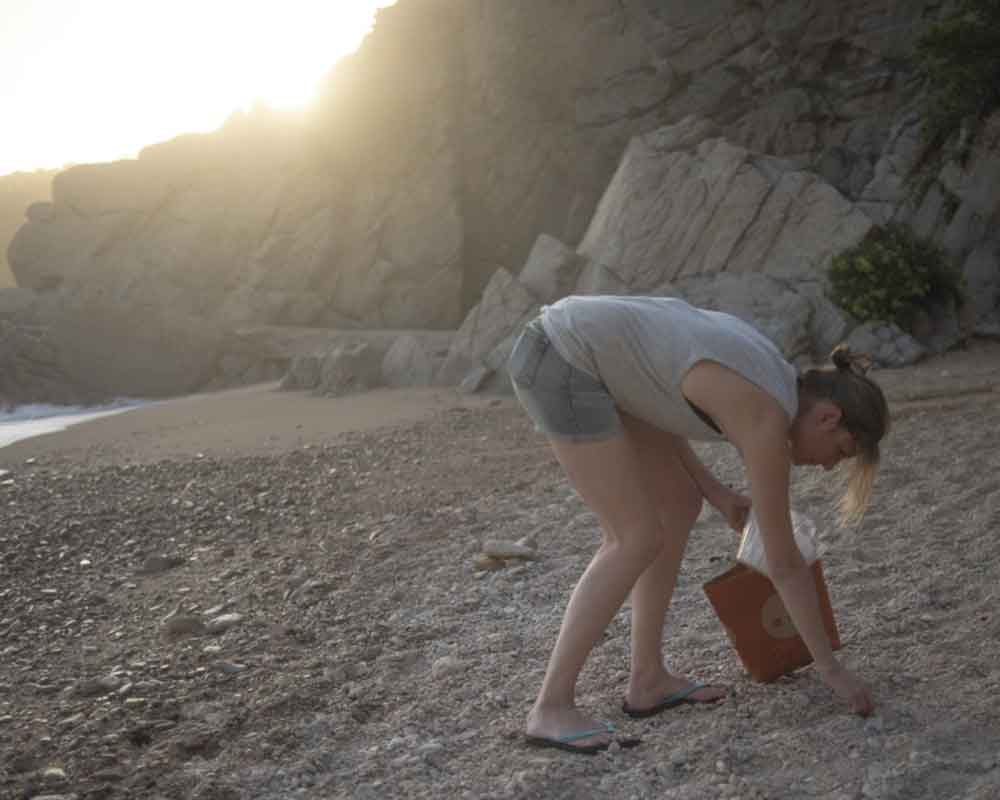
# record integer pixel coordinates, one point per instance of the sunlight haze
(98, 80)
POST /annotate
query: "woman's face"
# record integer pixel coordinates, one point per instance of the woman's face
(819, 439)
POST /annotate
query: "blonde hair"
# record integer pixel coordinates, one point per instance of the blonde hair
(865, 414)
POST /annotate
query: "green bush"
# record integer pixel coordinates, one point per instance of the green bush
(891, 274)
(960, 58)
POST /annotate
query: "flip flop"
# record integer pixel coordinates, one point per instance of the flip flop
(683, 697)
(565, 743)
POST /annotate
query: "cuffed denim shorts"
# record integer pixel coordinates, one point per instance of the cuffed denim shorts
(563, 401)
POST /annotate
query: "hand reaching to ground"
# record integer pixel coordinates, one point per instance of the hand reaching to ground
(734, 506)
(849, 688)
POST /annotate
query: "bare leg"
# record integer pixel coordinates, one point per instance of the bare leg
(608, 477)
(679, 506)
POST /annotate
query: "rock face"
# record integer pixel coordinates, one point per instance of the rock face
(658, 147)
(31, 369)
(673, 211)
(705, 220)
(18, 191)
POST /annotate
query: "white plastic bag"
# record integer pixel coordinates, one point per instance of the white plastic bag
(751, 552)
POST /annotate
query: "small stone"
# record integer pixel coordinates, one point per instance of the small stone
(874, 726)
(354, 690)
(430, 748)
(402, 761)
(447, 665)
(155, 565)
(183, 625)
(54, 775)
(223, 623)
(98, 686)
(489, 564)
(214, 611)
(495, 548)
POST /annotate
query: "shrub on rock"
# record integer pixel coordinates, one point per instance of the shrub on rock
(891, 275)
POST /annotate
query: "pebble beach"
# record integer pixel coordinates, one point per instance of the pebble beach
(261, 594)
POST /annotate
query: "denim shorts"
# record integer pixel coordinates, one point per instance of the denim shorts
(563, 401)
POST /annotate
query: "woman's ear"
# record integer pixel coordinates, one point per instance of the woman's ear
(829, 415)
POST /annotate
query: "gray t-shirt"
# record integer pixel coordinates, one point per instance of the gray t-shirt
(641, 348)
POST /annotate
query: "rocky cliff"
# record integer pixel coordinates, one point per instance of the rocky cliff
(18, 191)
(765, 135)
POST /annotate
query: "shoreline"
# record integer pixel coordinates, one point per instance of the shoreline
(252, 420)
(40, 419)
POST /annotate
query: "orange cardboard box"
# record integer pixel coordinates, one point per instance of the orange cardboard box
(758, 625)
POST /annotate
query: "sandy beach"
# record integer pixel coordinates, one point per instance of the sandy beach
(256, 420)
(261, 594)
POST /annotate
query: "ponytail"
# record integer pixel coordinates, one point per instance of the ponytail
(865, 414)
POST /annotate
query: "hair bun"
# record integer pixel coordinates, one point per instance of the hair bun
(846, 361)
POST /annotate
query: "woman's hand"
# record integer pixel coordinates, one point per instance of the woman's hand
(849, 688)
(734, 506)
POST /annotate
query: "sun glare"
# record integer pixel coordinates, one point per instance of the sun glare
(97, 81)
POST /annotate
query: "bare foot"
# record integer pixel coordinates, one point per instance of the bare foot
(649, 690)
(555, 723)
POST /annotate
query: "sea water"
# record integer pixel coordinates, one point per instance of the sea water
(23, 422)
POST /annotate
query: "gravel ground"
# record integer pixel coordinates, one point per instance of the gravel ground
(310, 622)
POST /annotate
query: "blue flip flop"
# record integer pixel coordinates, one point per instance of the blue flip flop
(683, 697)
(565, 743)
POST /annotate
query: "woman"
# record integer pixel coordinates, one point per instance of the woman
(619, 385)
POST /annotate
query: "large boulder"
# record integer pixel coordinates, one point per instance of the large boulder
(349, 369)
(552, 269)
(686, 216)
(31, 372)
(134, 351)
(886, 344)
(408, 363)
(303, 373)
(347, 361)
(16, 303)
(478, 349)
(774, 308)
(676, 209)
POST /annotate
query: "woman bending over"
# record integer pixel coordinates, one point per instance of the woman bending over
(619, 385)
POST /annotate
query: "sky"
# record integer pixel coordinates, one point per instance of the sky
(98, 80)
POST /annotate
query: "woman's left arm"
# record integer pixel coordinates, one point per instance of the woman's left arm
(732, 505)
